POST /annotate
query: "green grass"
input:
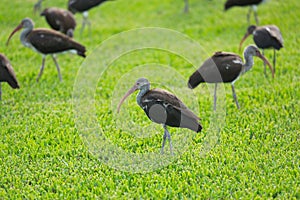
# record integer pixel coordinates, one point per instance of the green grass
(43, 155)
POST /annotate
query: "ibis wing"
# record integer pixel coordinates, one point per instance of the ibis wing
(83, 5)
(231, 3)
(275, 33)
(48, 41)
(166, 98)
(221, 67)
(7, 73)
(268, 37)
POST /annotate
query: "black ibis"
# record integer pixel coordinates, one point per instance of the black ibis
(265, 37)
(252, 3)
(164, 108)
(46, 41)
(38, 6)
(83, 6)
(225, 67)
(60, 20)
(7, 74)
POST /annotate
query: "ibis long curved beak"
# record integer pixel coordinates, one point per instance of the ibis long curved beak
(243, 39)
(266, 62)
(132, 90)
(14, 31)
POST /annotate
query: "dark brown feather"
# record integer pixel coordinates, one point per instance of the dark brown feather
(232, 3)
(221, 67)
(176, 113)
(49, 42)
(83, 5)
(268, 36)
(7, 73)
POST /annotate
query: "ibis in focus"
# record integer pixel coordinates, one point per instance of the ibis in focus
(163, 108)
(224, 67)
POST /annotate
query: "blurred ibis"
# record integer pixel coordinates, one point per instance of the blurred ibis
(83, 6)
(60, 20)
(46, 42)
(7, 74)
(37, 6)
(252, 3)
(225, 67)
(265, 37)
(163, 108)
(186, 6)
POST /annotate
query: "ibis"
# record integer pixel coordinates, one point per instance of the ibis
(163, 107)
(224, 67)
(46, 42)
(265, 37)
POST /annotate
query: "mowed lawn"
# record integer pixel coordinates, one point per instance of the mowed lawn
(44, 155)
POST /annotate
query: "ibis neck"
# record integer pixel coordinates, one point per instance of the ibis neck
(24, 35)
(248, 62)
(142, 92)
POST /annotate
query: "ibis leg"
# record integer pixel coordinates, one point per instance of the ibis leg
(234, 96)
(42, 69)
(265, 69)
(215, 97)
(166, 135)
(274, 59)
(85, 21)
(38, 6)
(0, 92)
(255, 14)
(57, 67)
(164, 142)
(186, 6)
(248, 15)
